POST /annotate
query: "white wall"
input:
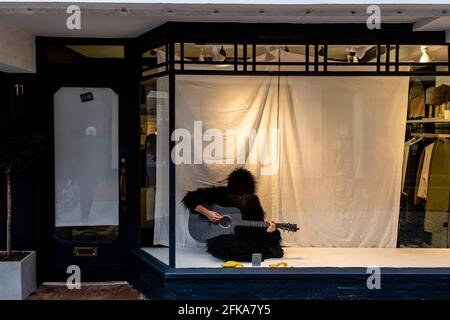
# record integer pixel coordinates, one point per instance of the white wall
(17, 50)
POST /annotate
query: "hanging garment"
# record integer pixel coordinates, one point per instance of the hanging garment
(411, 230)
(424, 176)
(417, 200)
(405, 161)
(416, 100)
(437, 206)
(430, 96)
(413, 170)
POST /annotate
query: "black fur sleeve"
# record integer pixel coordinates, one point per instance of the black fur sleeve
(203, 196)
(252, 209)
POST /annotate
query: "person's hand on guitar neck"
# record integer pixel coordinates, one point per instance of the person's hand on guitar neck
(272, 227)
(211, 215)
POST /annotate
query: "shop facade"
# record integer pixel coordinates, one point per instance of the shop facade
(345, 129)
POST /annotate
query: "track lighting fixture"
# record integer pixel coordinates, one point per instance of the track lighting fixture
(223, 52)
(321, 51)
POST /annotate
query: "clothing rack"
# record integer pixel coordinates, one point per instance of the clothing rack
(432, 135)
(438, 136)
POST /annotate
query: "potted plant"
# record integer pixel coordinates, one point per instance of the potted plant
(20, 147)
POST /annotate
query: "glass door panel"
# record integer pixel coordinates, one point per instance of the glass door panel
(86, 163)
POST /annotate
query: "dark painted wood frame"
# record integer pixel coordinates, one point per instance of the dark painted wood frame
(391, 36)
(93, 270)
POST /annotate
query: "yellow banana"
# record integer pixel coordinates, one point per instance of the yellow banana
(279, 265)
(232, 264)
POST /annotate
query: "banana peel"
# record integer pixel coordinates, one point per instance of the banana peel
(281, 264)
(232, 264)
(235, 264)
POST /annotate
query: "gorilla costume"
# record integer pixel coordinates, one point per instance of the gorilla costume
(239, 193)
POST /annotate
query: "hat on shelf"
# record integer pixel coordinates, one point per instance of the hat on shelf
(443, 93)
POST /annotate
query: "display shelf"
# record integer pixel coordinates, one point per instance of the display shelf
(429, 121)
(431, 135)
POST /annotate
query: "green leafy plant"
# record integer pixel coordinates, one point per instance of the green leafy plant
(20, 148)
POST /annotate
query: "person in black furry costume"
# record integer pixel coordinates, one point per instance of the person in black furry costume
(239, 193)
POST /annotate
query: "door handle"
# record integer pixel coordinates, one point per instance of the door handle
(123, 180)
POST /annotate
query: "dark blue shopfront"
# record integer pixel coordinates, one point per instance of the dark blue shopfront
(103, 199)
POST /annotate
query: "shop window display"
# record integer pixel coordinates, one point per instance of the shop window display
(357, 163)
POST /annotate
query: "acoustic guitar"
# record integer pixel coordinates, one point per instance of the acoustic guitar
(202, 229)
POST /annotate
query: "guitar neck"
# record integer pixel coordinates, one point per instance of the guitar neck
(250, 223)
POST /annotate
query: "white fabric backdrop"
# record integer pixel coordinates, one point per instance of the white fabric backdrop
(161, 232)
(341, 159)
(339, 151)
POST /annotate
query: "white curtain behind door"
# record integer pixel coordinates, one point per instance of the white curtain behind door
(339, 150)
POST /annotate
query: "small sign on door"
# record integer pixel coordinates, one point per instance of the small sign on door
(88, 96)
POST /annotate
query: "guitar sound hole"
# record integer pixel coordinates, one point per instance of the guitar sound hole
(225, 222)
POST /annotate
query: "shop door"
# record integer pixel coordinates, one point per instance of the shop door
(85, 220)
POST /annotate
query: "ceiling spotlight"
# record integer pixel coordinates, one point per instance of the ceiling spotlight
(425, 56)
(223, 52)
(351, 54)
(321, 51)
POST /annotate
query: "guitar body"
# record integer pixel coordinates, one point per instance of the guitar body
(202, 229)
